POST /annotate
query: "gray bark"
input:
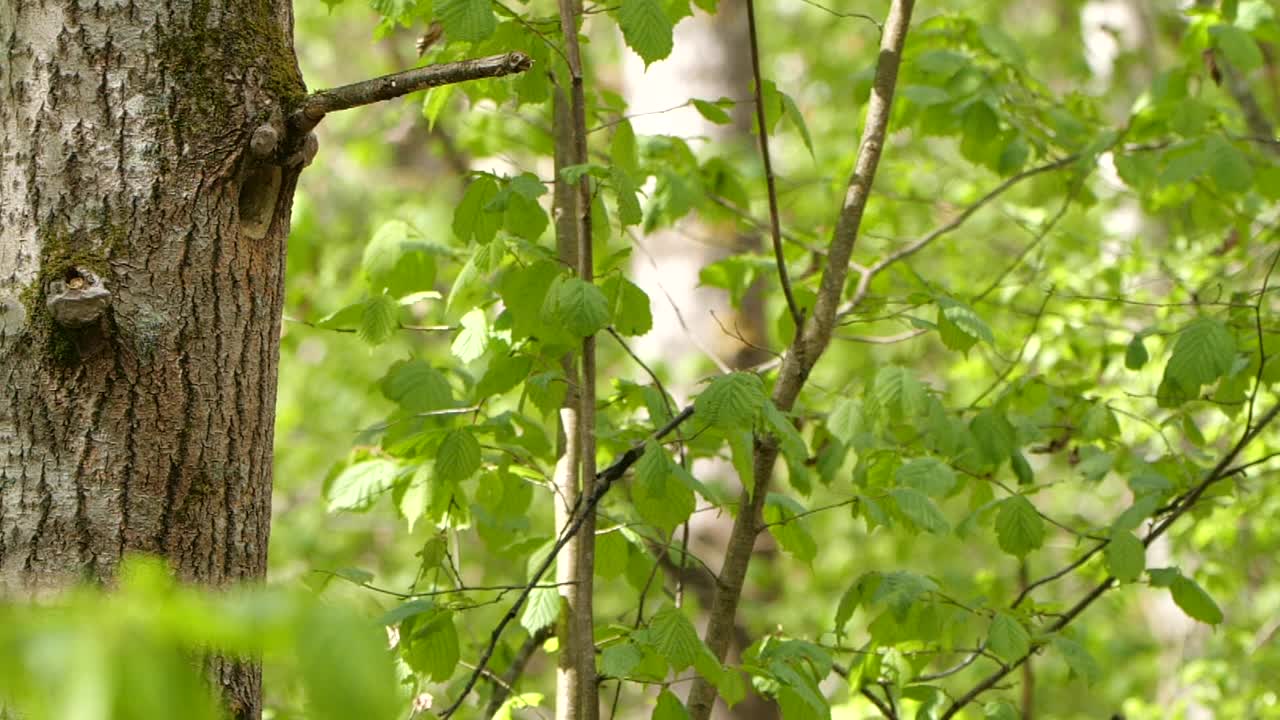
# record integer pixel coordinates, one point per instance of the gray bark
(125, 165)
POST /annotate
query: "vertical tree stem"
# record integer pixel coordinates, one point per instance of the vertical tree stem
(807, 347)
(582, 620)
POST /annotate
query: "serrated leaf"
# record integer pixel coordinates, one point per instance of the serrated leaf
(458, 457)
(379, 319)
(1019, 528)
(1203, 352)
(416, 386)
(675, 638)
(467, 20)
(433, 649)
(1126, 556)
(660, 498)
(541, 609)
(1007, 638)
(897, 391)
(646, 29)
(411, 497)
(994, 435)
(845, 421)
(900, 590)
(473, 338)
(928, 475)
(580, 306)
(624, 188)
(920, 510)
(360, 485)
(617, 661)
(1194, 601)
(733, 401)
(611, 555)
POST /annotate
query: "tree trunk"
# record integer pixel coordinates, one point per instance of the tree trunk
(141, 421)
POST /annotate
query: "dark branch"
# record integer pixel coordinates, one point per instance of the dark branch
(387, 87)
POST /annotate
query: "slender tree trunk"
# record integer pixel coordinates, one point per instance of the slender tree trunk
(141, 272)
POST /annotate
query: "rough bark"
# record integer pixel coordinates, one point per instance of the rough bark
(125, 135)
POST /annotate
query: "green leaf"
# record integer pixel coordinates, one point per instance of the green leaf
(433, 645)
(780, 513)
(896, 390)
(1194, 601)
(646, 29)
(1000, 710)
(1126, 556)
(467, 20)
(960, 327)
(1007, 638)
(379, 319)
(845, 421)
(1099, 423)
(416, 386)
(712, 112)
(628, 305)
(928, 475)
(920, 510)
(1203, 352)
(1238, 46)
(411, 497)
(580, 306)
(617, 661)
(1229, 167)
(1163, 577)
(541, 609)
(675, 638)
(436, 100)
(518, 701)
(472, 220)
(731, 401)
(473, 339)
(360, 485)
(796, 118)
(994, 435)
(624, 189)
(1135, 353)
(396, 260)
(669, 708)
(1019, 528)
(623, 152)
(1022, 469)
(1078, 659)
(458, 457)
(611, 555)
(661, 499)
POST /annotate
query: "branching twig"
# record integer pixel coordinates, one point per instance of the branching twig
(604, 480)
(1188, 501)
(502, 689)
(318, 104)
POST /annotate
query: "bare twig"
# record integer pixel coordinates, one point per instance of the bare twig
(775, 225)
(502, 688)
(318, 104)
